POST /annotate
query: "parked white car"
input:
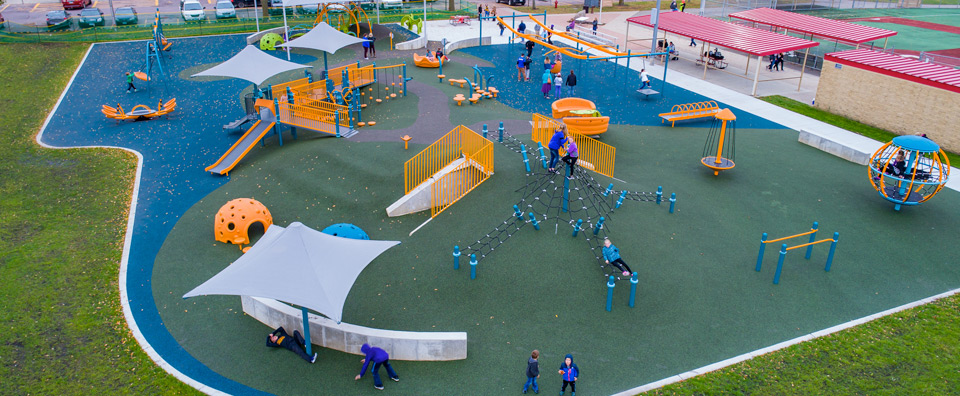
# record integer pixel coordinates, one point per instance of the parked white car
(192, 11)
(225, 10)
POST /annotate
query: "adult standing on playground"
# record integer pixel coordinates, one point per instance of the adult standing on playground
(378, 357)
(373, 49)
(521, 28)
(480, 11)
(521, 68)
(572, 82)
(529, 46)
(558, 84)
(526, 68)
(673, 5)
(779, 63)
(556, 141)
(546, 80)
(644, 79)
(683, 5)
(501, 26)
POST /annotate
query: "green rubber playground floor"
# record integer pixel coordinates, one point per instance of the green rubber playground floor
(699, 300)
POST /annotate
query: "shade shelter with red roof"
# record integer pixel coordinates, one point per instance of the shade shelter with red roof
(815, 26)
(745, 39)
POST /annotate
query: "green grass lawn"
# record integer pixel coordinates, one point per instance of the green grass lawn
(62, 219)
(872, 132)
(914, 352)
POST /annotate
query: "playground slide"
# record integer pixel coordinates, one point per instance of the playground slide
(532, 37)
(603, 48)
(246, 142)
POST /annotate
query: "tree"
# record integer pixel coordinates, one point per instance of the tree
(533, 4)
(451, 5)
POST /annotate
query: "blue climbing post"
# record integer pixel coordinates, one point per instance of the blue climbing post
(473, 266)
(526, 160)
(484, 131)
(306, 330)
(659, 194)
(628, 68)
(783, 254)
(633, 289)
(404, 78)
(606, 193)
(833, 248)
(543, 158)
(813, 238)
(578, 227)
(623, 194)
(610, 285)
(596, 230)
(673, 201)
(566, 193)
(276, 109)
(763, 247)
(336, 122)
(536, 225)
(456, 257)
(501, 131)
(516, 211)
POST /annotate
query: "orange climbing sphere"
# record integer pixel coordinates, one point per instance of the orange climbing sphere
(234, 219)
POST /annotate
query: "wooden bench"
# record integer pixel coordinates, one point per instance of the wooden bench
(457, 81)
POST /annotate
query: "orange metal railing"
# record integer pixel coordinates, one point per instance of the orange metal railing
(280, 90)
(464, 178)
(316, 90)
(311, 118)
(594, 154)
(461, 142)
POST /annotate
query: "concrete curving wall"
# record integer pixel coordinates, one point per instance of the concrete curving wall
(897, 105)
(401, 345)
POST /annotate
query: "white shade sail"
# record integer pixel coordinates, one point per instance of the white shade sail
(297, 265)
(252, 65)
(324, 38)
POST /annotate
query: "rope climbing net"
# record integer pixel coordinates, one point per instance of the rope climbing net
(579, 204)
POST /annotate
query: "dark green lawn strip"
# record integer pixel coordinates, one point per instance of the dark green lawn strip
(63, 215)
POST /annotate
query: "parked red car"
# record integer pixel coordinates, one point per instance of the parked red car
(74, 4)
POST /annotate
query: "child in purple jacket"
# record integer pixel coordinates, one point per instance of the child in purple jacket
(379, 357)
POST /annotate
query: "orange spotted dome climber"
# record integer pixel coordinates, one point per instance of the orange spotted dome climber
(234, 219)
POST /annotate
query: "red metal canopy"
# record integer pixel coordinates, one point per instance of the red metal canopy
(897, 66)
(828, 28)
(724, 34)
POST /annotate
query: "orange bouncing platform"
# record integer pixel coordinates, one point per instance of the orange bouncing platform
(233, 220)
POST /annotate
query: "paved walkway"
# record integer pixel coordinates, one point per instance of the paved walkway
(723, 86)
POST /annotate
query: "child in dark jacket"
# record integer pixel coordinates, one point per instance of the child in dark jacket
(296, 343)
(533, 372)
(569, 372)
(378, 357)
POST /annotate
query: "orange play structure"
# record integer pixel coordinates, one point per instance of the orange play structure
(234, 219)
(139, 112)
(689, 111)
(586, 124)
(423, 61)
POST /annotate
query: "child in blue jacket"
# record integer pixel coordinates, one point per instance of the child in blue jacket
(569, 372)
(611, 255)
(533, 372)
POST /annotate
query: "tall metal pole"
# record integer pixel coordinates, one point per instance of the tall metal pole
(256, 14)
(424, 30)
(655, 18)
(286, 31)
(113, 14)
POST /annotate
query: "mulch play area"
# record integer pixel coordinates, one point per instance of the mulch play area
(699, 299)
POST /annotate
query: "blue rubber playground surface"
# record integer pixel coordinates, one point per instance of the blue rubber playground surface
(700, 300)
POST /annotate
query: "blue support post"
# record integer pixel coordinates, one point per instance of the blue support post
(536, 225)
(783, 254)
(623, 194)
(596, 230)
(633, 288)
(500, 131)
(628, 67)
(473, 266)
(484, 131)
(516, 211)
(306, 330)
(276, 107)
(526, 160)
(606, 193)
(566, 193)
(763, 248)
(543, 158)
(659, 194)
(456, 257)
(336, 122)
(813, 238)
(673, 201)
(404, 79)
(578, 227)
(833, 249)
(610, 285)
